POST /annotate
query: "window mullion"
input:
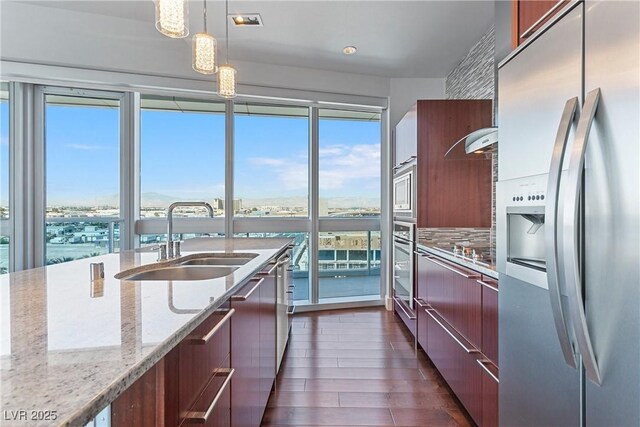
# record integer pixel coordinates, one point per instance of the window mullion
(314, 209)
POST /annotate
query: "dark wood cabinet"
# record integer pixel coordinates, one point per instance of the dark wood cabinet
(457, 297)
(422, 272)
(461, 332)
(220, 375)
(455, 358)
(267, 353)
(490, 318)
(489, 394)
(245, 357)
(450, 192)
(529, 15)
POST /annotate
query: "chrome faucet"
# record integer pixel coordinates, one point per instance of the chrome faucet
(172, 207)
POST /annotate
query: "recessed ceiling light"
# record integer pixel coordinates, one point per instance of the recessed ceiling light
(246, 20)
(349, 50)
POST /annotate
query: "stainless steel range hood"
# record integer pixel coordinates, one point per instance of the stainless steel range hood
(480, 141)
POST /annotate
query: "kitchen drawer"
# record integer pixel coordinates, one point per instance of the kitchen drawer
(489, 318)
(489, 393)
(405, 314)
(213, 407)
(456, 359)
(457, 297)
(206, 349)
(422, 325)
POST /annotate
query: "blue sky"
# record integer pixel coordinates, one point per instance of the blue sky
(183, 156)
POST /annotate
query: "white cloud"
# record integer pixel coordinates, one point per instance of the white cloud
(341, 167)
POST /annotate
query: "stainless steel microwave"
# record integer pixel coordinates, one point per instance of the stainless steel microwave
(404, 193)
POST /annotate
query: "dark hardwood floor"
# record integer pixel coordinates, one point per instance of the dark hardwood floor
(358, 367)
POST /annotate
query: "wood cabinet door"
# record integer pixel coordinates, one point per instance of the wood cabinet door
(533, 14)
(452, 193)
(245, 355)
(456, 361)
(268, 336)
(490, 319)
(423, 266)
(490, 398)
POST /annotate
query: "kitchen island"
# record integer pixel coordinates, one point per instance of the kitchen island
(70, 347)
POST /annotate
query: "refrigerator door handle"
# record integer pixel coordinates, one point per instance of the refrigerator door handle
(551, 229)
(571, 237)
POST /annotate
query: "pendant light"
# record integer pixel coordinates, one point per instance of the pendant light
(172, 18)
(226, 73)
(204, 49)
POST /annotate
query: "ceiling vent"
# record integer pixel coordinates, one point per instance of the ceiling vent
(246, 20)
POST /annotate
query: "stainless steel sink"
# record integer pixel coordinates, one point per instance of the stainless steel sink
(220, 259)
(181, 272)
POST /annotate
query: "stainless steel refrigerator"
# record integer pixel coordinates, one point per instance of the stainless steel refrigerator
(568, 221)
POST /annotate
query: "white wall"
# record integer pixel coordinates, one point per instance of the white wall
(405, 92)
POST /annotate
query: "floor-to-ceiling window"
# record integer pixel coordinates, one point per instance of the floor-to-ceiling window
(271, 179)
(82, 170)
(5, 238)
(349, 193)
(182, 158)
(271, 155)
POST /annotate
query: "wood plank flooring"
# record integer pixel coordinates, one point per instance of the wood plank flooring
(358, 367)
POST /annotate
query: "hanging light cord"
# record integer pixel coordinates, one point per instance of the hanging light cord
(226, 20)
(205, 16)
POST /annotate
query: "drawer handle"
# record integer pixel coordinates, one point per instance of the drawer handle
(248, 294)
(423, 254)
(485, 284)
(267, 273)
(284, 261)
(205, 339)
(455, 270)
(291, 309)
(397, 300)
(468, 349)
(526, 33)
(203, 417)
(483, 363)
(421, 303)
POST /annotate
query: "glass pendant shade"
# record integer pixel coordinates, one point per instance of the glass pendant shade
(227, 81)
(172, 18)
(204, 53)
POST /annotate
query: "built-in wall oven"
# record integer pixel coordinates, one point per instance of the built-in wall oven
(403, 259)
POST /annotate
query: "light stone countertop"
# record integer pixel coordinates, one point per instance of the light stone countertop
(63, 350)
(479, 266)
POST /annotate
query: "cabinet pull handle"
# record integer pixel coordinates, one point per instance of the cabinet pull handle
(288, 292)
(284, 261)
(397, 300)
(483, 363)
(526, 33)
(203, 417)
(267, 273)
(469, 349)
(205, 339)
(248, 294)
(421, 303)
(486, 285)
(455, 270)
(423, 254)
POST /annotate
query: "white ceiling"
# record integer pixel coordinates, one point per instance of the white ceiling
(394, 38)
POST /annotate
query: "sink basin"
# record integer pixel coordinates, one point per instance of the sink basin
(181, 272)
(220, 259)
